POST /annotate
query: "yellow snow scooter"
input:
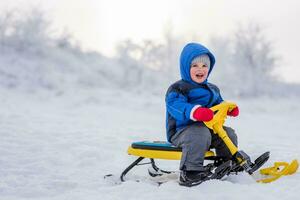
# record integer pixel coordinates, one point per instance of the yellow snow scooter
(240, 160)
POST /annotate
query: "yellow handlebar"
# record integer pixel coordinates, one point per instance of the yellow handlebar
(216, 124)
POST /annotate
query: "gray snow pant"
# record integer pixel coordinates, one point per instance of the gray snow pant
(195, 140)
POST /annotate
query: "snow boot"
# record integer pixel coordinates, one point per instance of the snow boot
(193, 178)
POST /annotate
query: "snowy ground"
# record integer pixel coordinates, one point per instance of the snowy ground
(60, 147)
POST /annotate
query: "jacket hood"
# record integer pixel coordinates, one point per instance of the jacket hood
(189, 52)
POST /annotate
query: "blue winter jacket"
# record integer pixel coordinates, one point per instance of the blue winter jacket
(185, 94)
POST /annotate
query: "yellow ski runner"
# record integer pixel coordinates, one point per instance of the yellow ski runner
(278, 170)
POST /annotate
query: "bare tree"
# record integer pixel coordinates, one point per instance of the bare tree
(253, 59)
(129, 55)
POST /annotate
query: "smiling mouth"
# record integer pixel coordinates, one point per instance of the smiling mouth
(199, 75)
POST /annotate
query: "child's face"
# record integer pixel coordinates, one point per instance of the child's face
(199, 72)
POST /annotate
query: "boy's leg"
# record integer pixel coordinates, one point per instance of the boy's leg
(221, 148)
(194, 140)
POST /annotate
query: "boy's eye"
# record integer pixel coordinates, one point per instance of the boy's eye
(195, 65)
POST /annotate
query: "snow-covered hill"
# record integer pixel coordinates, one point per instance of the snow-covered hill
(67, 117)
(60, 147)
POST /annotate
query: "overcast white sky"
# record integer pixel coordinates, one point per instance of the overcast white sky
(101, 24)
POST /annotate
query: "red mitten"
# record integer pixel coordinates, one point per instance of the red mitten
(235, 112)
(203, 114)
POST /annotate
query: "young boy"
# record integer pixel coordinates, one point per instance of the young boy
(188, 101)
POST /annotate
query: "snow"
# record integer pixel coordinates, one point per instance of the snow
(60, 146)
(68, 116)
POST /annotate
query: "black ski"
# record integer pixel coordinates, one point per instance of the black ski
(259, 162)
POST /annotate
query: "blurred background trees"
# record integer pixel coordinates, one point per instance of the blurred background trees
(32, 58)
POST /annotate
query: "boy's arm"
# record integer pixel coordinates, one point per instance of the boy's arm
(178, 106)
(220, 99)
